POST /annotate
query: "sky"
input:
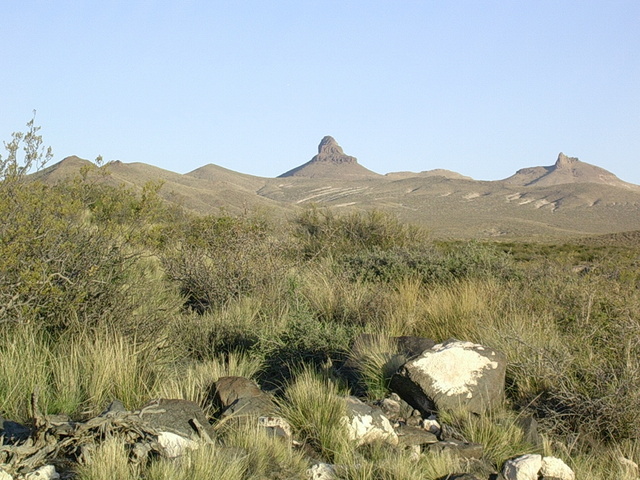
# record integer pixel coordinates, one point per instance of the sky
(482, 88)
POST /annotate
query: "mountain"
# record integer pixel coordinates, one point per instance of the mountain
(567, 170)
(330, 162)
(568, 199)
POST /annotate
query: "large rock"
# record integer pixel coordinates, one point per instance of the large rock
(239, 396)
(453, 375)
(366, 424)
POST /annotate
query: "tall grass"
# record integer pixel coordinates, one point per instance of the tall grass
(193, 380)
(107, 461)
(314, 407)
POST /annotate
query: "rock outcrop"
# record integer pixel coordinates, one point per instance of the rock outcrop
(330, 162)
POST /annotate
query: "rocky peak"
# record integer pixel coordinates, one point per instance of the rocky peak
(330, 151)
(564, 161)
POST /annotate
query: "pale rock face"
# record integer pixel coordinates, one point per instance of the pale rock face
(322, 471)
(453, 375)
(366, 424)
(4, 475)
(455, 367)
(556, 468)
(175, 445)
(525, 467)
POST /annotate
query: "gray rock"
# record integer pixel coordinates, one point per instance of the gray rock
(396, 409)
(409, 436)
(181, 417)
(239, 396)
(461, 449)
(529, 426)
(555, 468)
(47, 472)
(453, 375)
(322, 471)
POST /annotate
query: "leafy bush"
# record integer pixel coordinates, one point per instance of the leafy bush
(218, 259)
(322, 232)
(429, 263)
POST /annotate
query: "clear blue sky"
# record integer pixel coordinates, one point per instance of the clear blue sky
(479, 87)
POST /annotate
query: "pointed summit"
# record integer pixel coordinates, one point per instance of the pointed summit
(565, 162)
(330, 151)
(330, 162)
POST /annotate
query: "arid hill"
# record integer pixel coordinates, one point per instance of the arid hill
(569, 199)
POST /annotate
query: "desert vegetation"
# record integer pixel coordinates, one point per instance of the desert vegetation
(108, 293)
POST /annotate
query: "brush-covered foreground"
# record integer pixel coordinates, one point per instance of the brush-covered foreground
(107, 293)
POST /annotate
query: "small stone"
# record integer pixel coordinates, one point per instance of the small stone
(630, 467)
(431, 425)
(409, 436)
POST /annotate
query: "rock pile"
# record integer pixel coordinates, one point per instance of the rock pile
(453, 375)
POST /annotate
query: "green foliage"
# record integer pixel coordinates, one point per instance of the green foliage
(15, 166)
(429, 263)
(218, 259)
(322, 232)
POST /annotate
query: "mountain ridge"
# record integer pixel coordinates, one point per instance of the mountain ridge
(569, 198)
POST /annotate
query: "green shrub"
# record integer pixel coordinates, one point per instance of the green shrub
(322, 232)
(219, 259)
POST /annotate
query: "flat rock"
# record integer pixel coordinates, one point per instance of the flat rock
(409, 436)
(175, 416)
